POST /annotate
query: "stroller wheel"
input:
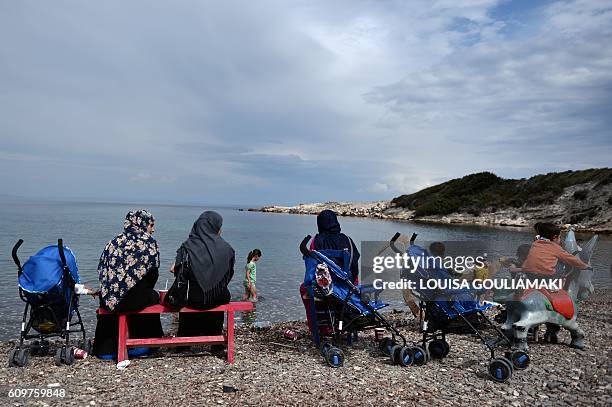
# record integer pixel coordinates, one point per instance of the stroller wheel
(420, 356)
(69, 356)
(11, 357)
(64, 355)
(438, 348)
(395, 354)
(520, 359)
(385, 346)
(406, 356)
(57, 358)
(35, 348)
(334, 357)
(500, 370)
(325, 347)
(21, 357)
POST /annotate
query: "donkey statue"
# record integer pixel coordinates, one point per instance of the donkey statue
(531, 308)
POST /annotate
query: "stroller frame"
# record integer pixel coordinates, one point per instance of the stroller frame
(434, 338)
(336, 319)
(19, 355)
(440, 334)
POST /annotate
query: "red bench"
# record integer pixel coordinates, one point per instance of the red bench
(228, 339)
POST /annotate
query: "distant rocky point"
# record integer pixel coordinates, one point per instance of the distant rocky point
(581, 199)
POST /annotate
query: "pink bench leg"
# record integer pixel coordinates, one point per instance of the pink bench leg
(230, 336)
(122, 353)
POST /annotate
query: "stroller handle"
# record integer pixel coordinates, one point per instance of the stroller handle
(60, 248)
(14, 253)
(395, 238)
(392, 242)
(303, 246)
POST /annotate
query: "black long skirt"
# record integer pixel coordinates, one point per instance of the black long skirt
(140, 296)
(206, 323)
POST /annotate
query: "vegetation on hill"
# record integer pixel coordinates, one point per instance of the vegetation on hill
(486, 191)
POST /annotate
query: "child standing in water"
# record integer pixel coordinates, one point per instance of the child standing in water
(250, 292)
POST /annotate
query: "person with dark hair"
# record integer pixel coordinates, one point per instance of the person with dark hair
(437, 249)
(536, 227)
(250, 292)
(209, 264)
(128, 270)
(546, 252)
(514, 263)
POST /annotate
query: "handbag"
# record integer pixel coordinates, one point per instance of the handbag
(178, 294)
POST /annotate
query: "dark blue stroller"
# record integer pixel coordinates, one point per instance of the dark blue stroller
(440, 308)
(47, 286)
(344, 308)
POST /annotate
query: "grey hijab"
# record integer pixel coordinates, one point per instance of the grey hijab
(211, 257)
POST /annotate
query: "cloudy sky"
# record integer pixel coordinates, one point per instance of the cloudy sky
(255, 102)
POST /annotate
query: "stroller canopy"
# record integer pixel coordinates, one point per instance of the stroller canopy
(43, 271)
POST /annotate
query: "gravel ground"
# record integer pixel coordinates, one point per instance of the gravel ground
(271, 370)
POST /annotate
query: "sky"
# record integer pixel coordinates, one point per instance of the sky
(282, 102)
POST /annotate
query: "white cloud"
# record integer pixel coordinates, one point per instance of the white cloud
(297, 101)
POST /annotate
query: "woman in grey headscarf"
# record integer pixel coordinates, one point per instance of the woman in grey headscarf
(211, 264)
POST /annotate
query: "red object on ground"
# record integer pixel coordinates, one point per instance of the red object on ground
(228, 339)
(79, 353)
(291, 335)
(560, 300)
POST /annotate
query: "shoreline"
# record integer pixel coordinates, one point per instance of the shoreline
(271, 370)
(515, 218)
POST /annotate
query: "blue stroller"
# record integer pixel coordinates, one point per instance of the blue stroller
(439, 308)
(344, 308)
(47, 286)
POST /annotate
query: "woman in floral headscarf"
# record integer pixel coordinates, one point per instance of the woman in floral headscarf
(128, 270)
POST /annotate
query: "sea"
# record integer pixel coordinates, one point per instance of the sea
(86, 227)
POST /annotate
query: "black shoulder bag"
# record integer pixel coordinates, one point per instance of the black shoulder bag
(178, 294)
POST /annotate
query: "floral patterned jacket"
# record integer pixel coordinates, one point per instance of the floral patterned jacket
(127, 259)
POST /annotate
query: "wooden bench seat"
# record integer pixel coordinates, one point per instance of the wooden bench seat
(226, 339)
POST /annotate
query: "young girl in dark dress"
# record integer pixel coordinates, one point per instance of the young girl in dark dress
(128, 270)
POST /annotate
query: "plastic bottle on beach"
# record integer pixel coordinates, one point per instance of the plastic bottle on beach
(261, 325)
(123, 365)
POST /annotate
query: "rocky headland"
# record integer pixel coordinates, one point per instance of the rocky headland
(581, 199)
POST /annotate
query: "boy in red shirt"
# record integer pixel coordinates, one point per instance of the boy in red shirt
(546, 252)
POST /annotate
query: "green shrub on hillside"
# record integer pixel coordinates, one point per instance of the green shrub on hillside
(485, 191)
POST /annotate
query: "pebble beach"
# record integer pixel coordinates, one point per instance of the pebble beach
(272, 370)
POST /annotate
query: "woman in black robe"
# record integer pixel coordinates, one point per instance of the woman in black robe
(128, 270)
(331, 238)
(211, 268)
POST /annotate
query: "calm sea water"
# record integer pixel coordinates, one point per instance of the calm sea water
(86, 227)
